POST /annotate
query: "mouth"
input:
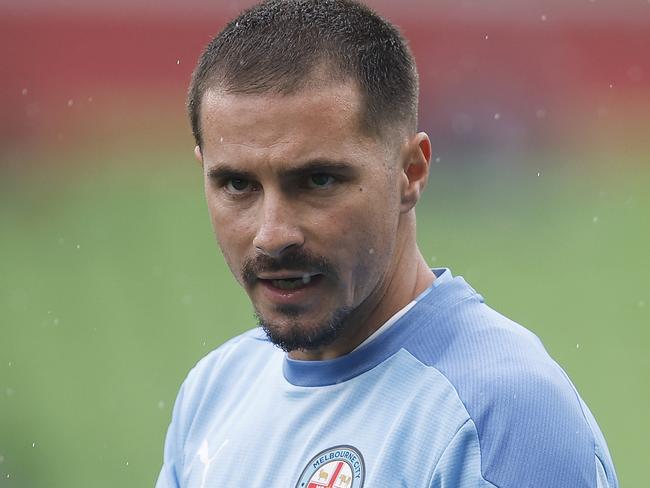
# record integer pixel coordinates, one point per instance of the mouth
(289, 281)
(289, 286)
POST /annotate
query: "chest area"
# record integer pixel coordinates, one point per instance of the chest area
(387, 428)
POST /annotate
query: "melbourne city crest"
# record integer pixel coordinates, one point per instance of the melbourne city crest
(336, 467)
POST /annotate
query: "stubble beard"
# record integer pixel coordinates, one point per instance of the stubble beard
(295, 335)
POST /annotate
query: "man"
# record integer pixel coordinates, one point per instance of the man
(386, 373)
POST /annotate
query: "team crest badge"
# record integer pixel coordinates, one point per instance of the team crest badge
(336, 467)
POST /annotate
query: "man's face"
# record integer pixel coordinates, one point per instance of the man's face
(304, 205)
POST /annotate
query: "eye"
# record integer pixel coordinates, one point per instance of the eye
(320, 180)
(238, 185)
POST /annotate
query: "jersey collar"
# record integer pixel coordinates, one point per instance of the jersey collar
(445, 290)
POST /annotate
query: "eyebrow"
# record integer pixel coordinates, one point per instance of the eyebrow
(224, 170)
(319, 166)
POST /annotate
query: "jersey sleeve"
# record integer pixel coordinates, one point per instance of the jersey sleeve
(460, 465)
(528, 433)
(533, 430)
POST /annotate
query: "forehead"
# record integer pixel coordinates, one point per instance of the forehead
(318, 118)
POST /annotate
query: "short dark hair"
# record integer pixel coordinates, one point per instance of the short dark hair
(276, 45)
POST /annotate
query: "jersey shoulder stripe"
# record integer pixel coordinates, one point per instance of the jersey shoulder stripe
(522, 403)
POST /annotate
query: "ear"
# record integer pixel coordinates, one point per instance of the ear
(415, 166)
(198, 155)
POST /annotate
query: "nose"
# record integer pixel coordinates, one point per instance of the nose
(279, 229)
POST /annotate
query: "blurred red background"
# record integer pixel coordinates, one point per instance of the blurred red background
(496, 77)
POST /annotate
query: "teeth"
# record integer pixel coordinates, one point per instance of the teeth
(290, 284)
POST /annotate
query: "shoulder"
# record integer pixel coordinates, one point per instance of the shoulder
(531, 426)
(224, 371)
(227, 362)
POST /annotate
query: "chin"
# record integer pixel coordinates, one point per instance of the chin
(294, 332)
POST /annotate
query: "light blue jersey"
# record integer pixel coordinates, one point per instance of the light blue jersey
(451, 395)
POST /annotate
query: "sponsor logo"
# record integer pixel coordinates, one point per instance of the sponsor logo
(336, 467)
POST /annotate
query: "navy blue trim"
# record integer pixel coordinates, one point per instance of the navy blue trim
(445, 290)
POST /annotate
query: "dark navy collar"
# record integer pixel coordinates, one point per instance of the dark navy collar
(445, 290)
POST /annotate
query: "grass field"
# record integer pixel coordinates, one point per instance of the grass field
(111, 288)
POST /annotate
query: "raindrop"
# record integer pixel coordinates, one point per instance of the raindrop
(433, 259)
(539, 173)
(24, 92)
(127, 463)
(78, 246)
(70, 102)
(2, 459)
(178, 61)
(641, 303)
(438, 159)
(486, 37)
(161, 404)
(497, 116)
(543, 17)
(611, 85)
(595, 219)
(90, 99)
(371, 251)
(56, 321)
(221, 140)
(10, 364)
(33, 444)
(236, 24)
(577, 346)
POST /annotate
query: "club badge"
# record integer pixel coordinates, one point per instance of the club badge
(336, 467)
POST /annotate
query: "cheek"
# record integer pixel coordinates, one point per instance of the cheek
(232, 234)
(365, 232)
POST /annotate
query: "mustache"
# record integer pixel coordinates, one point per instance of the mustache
(291, 260)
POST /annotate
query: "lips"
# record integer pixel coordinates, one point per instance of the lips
(289, 280)
(289, 287)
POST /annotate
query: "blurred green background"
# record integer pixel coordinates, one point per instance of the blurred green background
(112, 288)
(111, 284)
